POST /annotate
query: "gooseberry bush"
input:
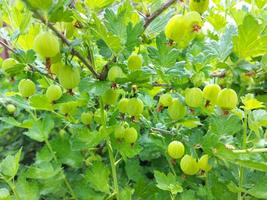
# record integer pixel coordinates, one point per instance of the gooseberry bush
(133, 99)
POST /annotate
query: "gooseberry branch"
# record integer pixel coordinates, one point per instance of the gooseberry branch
(63, 39)
(158, 12)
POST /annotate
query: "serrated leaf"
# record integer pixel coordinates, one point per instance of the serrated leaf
(27, 190)
(10, 165)
(167, 182)
(41, 102)
(41, 129)
(225, 125)
(222, 48)
(163, 55)
(98, 177)
(43, 170)
(112, 41)
(133, 33)
(250, 42)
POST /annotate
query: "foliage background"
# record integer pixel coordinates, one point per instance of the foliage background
(47, 155)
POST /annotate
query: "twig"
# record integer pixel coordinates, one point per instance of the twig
(6, 46)
(161, 130)
(63, 38)
(158, 12)
(251, 150)
(104, 72)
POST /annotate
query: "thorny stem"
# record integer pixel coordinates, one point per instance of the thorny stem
(158, 12)
(244, 144)
(111, 156)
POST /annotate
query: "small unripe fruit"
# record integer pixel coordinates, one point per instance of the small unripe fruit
(26, 87)
(227, 99)
(176, 110)
(176, 28)
(210, 92)
(165, 100)
(110, 97)
(98, 116)
(199, 5)
(53, 93)
(11, 108)
(189, 165)
(55, 68)
(135, 107)
(41, 4)
(8, 64)
(194, 97)
(203, 163)
(4, 194)
(119, 132)
(176, 149)
(69, 77)
(68, 108)
(130, 135)
(135, 62)
(46, 45)
(123, 105)
(115, 73)
(86, 118)
(193, 21)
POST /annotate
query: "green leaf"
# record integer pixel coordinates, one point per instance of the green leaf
(250, 42)
(62, 147)
(112, 41)
(41, 102)
(163, 55)
(98, 177)
(133, 33)
(167, 182)
(41, 129)
(10, 165)
(12, 121)
(225, 125)
(27, 190)
(44, 170)
(222, 48)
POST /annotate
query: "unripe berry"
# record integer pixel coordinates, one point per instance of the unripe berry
(119, 132)
(193, 19)
(189, 165)
(8, 64)
(135, 62)
(46, 45)
(123, 105)
(176, 110)
(210, 92)
(165, 100)
(176, 28)
(130, 135)
(69, 77)
(115, 73)
(135, 107)
(11, 108)
(227, 99)
(203, 163)
(55, 68)
(194, 97)
(176, 149)
(53, 93)
(199, 5)
(4, 194)
(26, 87)
(98, 116)
(110, 97)
(86, 118)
